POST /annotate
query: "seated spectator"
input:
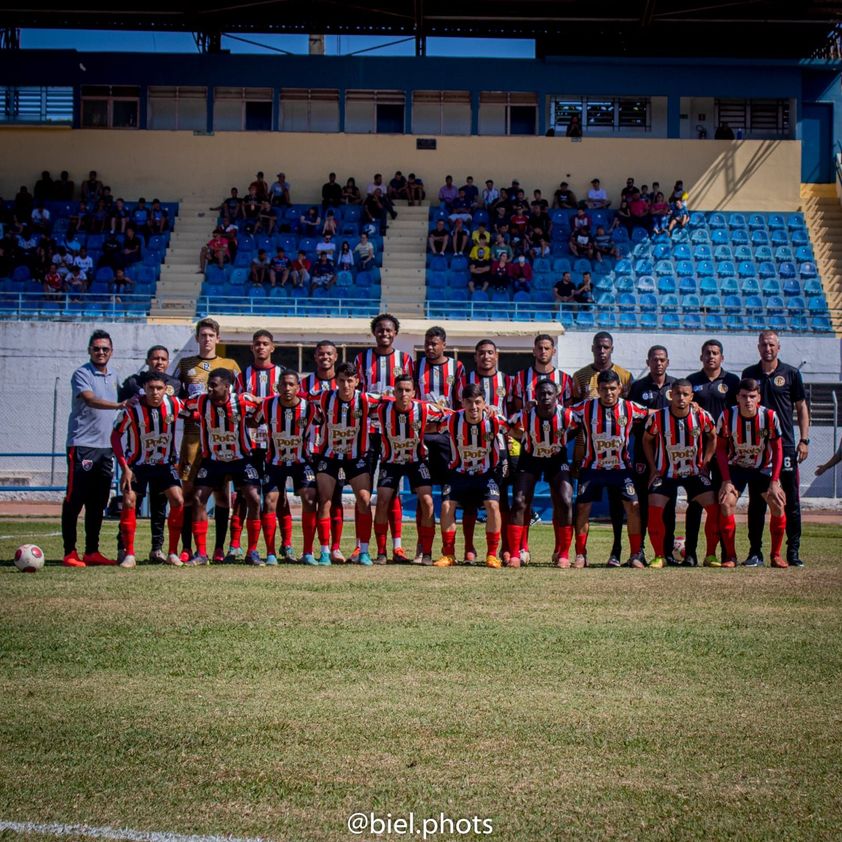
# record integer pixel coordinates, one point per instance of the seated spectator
(584, 295)
(345, 258)
(323, 274)
(77, 281)
(231, 233)
(439, 238)
(501, 247)
(378, 185)
(63, 189)
(460, 239)
(542, 248)
(364, 252)
(259, 267)
(564, 291)
(300, 272)
(518, 223)
(280, 192)
(623, 217)
(329, 226)
(53, 283)
(415, 189)
(232, 207)
(72, 242)
(216, 250)
(460, 208)
(121, 282)
(41, 220)
(660, 211)
(351, 193)
(260, 187)
(581, 243)
(499, 276)
(679, 216)
(266, 218)
(310, 223)
(251, 211)
(98, 221)
(471, 193)
(159, 220)
(597, 197)
(448, 193)
(43, 189)
(540, 224)
(656, 188)
(107, 196)
(678, 192)
(132, 250)
(397, 187)
(92, 188)
(580, 220)
(27, 247)
(479, 266)
(647, 195)
(639, 211)
(603, 245)
(84, 261)
(574, 127)
(564, 197)
(23, 206)
(480, 236)
(140, 217)
(500, 220)
(331, 192)
(111, 252)
(326, 246)
(490, 195)
(520, 273)
(629, 190)
(374, 210)
(279, 268)
(502, 200)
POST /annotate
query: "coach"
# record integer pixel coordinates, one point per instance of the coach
(781, 389)
(90, 462)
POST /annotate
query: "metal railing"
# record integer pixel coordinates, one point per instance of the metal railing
(65, 305)
(316, 306)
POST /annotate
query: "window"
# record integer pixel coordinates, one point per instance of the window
(758, 118)
(602, 114)
(242, 109)
(110, 106)
(508, 113)
(36, 105)
(441, 112)
(306, 110)
(177, 108)
(380, 112)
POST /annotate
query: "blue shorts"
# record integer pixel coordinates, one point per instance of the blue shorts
(592, 482)
(471, 491)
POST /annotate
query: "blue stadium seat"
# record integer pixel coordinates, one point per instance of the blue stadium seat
(645, 283)
(687, 285)
(821, 324)
(739, 238)
(627, 301)
(763, 254)
(723, 253)
(799, 323)
(755, 320)
(679, 235)
(603, 267)
(639, 235)
(701, 236)
(214, 273)
(703, 252)
(682, 252)
(816, 304)
(767, 270)
(714, 322)
(743, 253)
(778, 322)
(669, 302)
(760, 238)
(779, 238)
(749, 286)
(582, 265)
(624, 283)
(726, 269)
(648, 302)
(796, 304)
(643, 267)
(661, 251)
(717, 220)
(736, 220)
(620, 235)
(792, 286)
(771, 286)
(458, 263)
(708, 285)
(787, 270)
(690, 302)
(606, 319)
(697, 220)
(480, 216)
(775, 304)
(623, 267)
(663, 268)
(670, 321)
(776, 221)
(541, 264)
(807, 270)
(684, 268)
(438, 263)
(712, 302)
(732, 304)
(480, 297)
(795, 222)
(104, 273)
(648, 320)
(705, 269)
(753, 303)
(729, 285)
(243, 259)
(666, 284)
(799, 238)
(747, 269)
(692, 321)
(803, 254)
(757, 222)
(562, 264)
(345, 279)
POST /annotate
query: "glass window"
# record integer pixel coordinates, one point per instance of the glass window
(508, 113)
(309, 110)
(177, 108)
(441, 112)
(374, 111)
(36, 105)
(110, 107)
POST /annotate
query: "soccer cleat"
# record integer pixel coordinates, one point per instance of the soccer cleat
(355, 556)
(754, 560)
(418, 558)
(310, 560)
(614, 561)
(253, 558)
(336, 556)
(219, 556)
(778, 562)
(470, 557)
(493, 561)
(445, 561)
(729, 562)
(712, 561)
(689, 561)
(658, 562)
(128, 561)
(324, 558)
(98, 559)
(536, 518)
(562, 562)
(199, 561)
(582, 561)
(271, 560)
(795, 562)
(288, 554)
(185, 557)
(427, 560)
(174, 560)
(381, 559)
(514, 561)
(637, 561)
(234, 555)
(364, 559)
(399, 556)
(525, 557)
(72, 560)
(157, 556)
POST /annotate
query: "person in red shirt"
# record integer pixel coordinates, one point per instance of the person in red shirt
(217, 249)
(300, 272)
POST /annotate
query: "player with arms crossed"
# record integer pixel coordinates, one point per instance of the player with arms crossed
(750, 453)
(679, 442)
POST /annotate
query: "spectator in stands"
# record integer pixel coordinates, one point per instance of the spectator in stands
(41, 221)
(538, 201)
(723, 132)
(656, 188)
(660, 212)
(251, 211)
(502, 200)
(448, 193)
(481, 236)
(603, 245)
(279, 268)
(479, 266)
(260, 187)
(140, 217)
(77, 281)
(364, 252)
(265, 218)
(584, 295)
(543, 248)
(92, 188)
(43, 189)
(84, 261)
(374, 210)
(111, 252)
(345, 258)
(329, 226)
(623, 217)
(310, 223)
(490, 195)
(415, 189)
(501, 247)
(53, 284)
(27, 248)
(300, 272)
(564, 197)
(500, 221)
(377, 184)
(439, 238)
(647, 194)
(159, 219)
(326, 246)
(260, 264)
(107, 196)
(639, 211)
(629, 190)
(121, 282)
(351, 193)
(216, 249)
(518, 223)
(232, 207)
(460, 208)
(471, 193)
(63, 189)
(323, 274)
(574, 127)
(499, 278)
(580, 220)
(581, 243)
(597, 197)
(72, 242)
(678, 192)
(460, 239)
(520, 271)
(397, 187)
(280, 192)
(331, 192)
(23, 206)
(132, 250)
(540, 223)
(97, 222)
(679, 217)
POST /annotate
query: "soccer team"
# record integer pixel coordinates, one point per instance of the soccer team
(484, 437)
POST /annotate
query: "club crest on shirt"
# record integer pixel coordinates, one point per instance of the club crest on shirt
(397, 370)
(205, 366)
(170, 391)
(695, 432)
(450, 379)
(779, 380)
(87, 464)
(722, 388)
(501, 390)
(668, 394)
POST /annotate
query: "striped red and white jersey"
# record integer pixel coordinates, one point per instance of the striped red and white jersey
(377, 372)
(525, 384)
(438, 382)
(312, 385)
(496, 388)
(402, 433)
(476, 448)
(343, 432)
(149, 432)
(749, 439)
(288, 429)
(222, 427)
(262, 383)
(679, 448)
(544, 438)
(606, 431)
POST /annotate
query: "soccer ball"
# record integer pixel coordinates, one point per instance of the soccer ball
(679, 548)
(29, 558)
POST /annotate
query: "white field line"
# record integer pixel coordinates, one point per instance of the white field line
(33, 535)
(115, 833)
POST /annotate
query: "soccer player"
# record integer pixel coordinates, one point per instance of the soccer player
(750, 453)
(149, 426)
(193, 372)
(781, 389)
(288, 419)
(475, 442)
(679, 442)
(585, 386)
(261, 379)
(713, 390)
(377, 369)
(403, 425)
(525, 383)
(543, 428)
(343, 447)
(225, 448)
(606, 422)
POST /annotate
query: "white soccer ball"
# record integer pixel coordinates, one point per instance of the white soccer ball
(29, 558)
(679, 548)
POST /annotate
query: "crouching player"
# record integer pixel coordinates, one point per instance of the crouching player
(225, 447)
(679, 442)
(749, 453)
(403, 425)
(288, 418)
(606, 422)
(149, 460)
(543, 430)
(477, 451)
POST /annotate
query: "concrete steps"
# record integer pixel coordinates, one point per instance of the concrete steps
(823, 215)
(404, 258)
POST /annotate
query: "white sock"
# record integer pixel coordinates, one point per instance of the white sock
(325, 548)
(397, 543)
(363, 546)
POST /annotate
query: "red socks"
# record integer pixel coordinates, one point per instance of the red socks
(308, 527)
(269, 521)
(363, 520)
(582, 543)
(128, 526)
(427, 535)
(336, 523)
(381, 531)
(236, 528)
(711, 529)
(396, 517)
(200, 536)
(728, 531)
(515, 536)
(175, 520)
(253, 531)
(657, 530)
(563, 540)
(777, 526)
(324, 531)
(636, 542)
(448, 542)
(469, 522)
(286, 529)
(492, 540)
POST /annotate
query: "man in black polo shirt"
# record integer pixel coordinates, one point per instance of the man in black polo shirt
(781, 389)
(652, 391)
(713, 390)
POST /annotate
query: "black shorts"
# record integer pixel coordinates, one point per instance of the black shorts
(157, 478)
(276, 477)
(352, 468)
(592, 482)
(552, 468)
(694, 486)
(257, 457)
(438, 456)
(418, 474)
(757, 481)
(214, 474)
(472, 490)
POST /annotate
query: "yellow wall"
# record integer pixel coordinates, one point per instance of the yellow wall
(720, 175)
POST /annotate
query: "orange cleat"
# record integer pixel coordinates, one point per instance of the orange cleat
(399, 556)
(779, 562)
(72, 560)
(355, 556)
(97, 559)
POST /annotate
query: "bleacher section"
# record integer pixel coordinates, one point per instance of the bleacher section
(734, 272)
(22, 296)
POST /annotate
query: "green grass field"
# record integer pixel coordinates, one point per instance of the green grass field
(595, 704)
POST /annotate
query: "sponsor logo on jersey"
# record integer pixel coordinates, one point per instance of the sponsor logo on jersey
(779, 380)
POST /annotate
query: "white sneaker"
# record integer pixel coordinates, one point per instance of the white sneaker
(128, 561)
(174, 560)
(427, 560)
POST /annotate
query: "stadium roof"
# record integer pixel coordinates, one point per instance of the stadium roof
(716, 28)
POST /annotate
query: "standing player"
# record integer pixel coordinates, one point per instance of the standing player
(403, 425)
(606, 423)
(714, 389)
(585, 386)
(679, 442)
(193, 372)
(750, 453)
(377, 369)
(525, 382)
(781, 389)
(288, 419)
(475, 442)
(261, 379)
(149, 426)
(225, 448)
(543, 429)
